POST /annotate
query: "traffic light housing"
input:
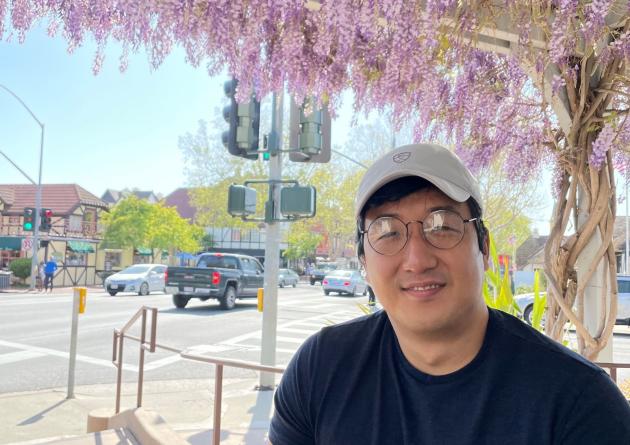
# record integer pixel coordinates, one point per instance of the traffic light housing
(45, 220)
(241, 139)
(28, 219)
(309, 133)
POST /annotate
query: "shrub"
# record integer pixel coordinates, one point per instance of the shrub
(21, 267)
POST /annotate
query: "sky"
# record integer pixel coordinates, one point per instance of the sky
(112, 130)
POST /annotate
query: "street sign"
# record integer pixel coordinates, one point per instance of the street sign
(27, 244)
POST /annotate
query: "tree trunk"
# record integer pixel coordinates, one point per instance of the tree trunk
(581, 268)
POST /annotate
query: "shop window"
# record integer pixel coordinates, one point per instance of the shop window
(113, 260)
(75, 223)
(76, 259)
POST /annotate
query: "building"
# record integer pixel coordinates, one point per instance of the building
(111, 196)
(74, 236)
(224, 239)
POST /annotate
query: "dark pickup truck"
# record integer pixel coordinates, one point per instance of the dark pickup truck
(222, 276)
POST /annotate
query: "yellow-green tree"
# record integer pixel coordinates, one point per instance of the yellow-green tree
(134, 223)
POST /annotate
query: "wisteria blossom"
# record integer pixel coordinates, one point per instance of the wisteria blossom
(551, 86)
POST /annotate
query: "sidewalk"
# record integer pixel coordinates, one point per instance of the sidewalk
(187, 405)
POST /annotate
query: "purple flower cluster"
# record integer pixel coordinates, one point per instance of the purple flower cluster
(600, 146)
(408, 57)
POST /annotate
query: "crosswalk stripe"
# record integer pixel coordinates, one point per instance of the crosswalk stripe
(18, 356)
(297, 331)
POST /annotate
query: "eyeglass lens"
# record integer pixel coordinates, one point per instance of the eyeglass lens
(442, 229)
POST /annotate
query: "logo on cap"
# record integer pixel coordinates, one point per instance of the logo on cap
(401, 157)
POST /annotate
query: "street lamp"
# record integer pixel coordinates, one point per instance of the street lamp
(38, 189)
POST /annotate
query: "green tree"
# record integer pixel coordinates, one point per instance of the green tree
(169, 231)
(134, 223)
(127, 224)
(302, 240)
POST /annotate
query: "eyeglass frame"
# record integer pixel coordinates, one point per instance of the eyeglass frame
(477, 220)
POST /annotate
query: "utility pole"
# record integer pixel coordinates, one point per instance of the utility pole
(272, 246)
(38, 189)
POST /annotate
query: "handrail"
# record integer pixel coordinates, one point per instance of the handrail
(613, 368)
(120, 335)
(117, 350)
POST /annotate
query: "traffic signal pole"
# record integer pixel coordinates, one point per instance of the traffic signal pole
(38, 193)
(272, 247)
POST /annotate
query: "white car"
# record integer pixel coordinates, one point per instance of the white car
(526, 301)
(139, 278)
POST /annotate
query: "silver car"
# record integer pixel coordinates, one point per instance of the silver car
(139, 278)
(287, 277)
(526, 301)
(348, 282)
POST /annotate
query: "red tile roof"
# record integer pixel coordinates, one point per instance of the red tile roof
(62, 199)
(181, 201)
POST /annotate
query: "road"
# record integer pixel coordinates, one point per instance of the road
(35, 335)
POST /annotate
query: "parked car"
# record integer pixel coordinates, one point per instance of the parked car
(320, 271)
(287, 277)
(140, 278)
(526, 301)
(623, 301)
(348, 282)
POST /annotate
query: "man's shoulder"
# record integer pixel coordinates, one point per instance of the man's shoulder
(536, 348)
(346, 339)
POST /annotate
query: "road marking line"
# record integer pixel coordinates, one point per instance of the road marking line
(56, 353)
(18, 356)
(298, 331)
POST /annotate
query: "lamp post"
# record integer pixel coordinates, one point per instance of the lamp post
(38, 188)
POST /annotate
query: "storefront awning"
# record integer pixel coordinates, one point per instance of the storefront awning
(11, 243)
(143, 251)
(80, 247)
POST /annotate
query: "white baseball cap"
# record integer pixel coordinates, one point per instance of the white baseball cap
(438, 165)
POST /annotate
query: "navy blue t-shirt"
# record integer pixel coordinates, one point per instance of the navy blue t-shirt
(351, 384)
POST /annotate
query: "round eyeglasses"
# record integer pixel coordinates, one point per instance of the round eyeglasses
(443, 229)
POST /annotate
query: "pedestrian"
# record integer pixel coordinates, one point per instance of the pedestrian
(371, 297)
(40, 277)
(436, 365)
(49, 271)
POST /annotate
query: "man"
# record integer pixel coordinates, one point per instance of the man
(49, 270)
(437, 366)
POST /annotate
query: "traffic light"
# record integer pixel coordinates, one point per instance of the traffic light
(309, 133)
(244, 119)
(45, 220)
(28, 219)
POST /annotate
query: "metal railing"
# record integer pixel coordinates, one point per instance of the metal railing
(152, 345)
(612, 367)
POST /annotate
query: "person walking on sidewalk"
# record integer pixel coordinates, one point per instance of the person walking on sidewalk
(41, 276)
(436, 365)
(49, 270)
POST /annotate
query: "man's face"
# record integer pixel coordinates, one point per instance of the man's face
(424, 289)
